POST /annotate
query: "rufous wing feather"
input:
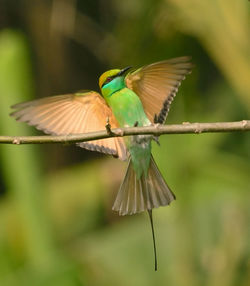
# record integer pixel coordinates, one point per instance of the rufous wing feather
(73, 114)
(157, 85)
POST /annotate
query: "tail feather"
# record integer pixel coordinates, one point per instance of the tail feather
(138, 195)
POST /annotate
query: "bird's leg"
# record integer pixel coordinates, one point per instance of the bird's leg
(136, 123)
(156, 124)
(108, 127)
(155, 119)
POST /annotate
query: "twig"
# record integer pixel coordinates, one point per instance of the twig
(157, 130)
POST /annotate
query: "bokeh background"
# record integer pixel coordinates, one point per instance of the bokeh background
(56, 223)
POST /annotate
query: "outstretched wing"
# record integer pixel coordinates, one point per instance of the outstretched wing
(73, 114)
(157, 85)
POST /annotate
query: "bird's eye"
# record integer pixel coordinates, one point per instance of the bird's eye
(108, 79)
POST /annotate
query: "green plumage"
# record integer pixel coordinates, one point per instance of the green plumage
(128, 111)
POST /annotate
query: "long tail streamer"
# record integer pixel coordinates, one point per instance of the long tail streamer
(153, 235)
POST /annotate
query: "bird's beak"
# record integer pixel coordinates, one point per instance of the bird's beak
(124, 70)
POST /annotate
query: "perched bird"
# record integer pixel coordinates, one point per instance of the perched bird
(138, 98)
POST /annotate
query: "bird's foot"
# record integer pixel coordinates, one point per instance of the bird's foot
(108, 127)
(136, 123)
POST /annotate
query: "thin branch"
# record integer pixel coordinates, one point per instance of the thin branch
(157, 130)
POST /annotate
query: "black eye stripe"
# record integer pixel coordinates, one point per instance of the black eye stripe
(108, 79)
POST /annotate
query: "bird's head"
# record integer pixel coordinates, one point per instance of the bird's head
(110, 75)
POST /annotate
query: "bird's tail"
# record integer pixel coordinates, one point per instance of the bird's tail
(143, 194)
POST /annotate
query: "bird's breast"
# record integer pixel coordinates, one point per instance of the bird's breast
(127, 108)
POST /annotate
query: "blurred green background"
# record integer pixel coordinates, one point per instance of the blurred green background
(56, 223)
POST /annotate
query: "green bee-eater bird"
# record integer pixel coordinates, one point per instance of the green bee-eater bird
(141, 97)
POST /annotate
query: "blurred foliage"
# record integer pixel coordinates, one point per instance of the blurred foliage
(57, 227)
